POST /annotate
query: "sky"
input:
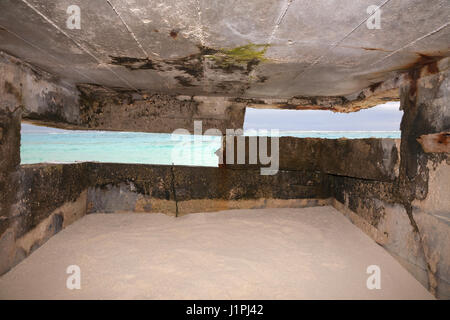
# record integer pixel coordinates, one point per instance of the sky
(385, 117)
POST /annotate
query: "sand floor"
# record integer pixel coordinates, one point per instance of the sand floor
(308, 253)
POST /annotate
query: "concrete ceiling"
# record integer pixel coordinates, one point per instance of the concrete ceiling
(249, 49)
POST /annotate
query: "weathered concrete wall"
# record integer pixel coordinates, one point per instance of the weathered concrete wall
(108, 109)
(410, 216)
(10, 116)
(181, 190)
(41, 95)
(374, 207)
(9, 182)
(48, 198)
(44, 188)
(424, 184)
(372, 159)
(9, 160)
(26, 206)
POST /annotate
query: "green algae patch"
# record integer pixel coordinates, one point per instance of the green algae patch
(248, 55)
(245, 54)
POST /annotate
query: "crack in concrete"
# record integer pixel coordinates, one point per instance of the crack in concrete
(360, 24)
(202, 42)
(129, 29)
(431, 275)
(200, 24)
(79, 45)
(334, 45)
(48, 54)
(272, 35)
(279, 21)
(172, 171)
(412, 42)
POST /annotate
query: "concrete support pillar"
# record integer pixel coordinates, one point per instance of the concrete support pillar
(10, 118)
(424, 177)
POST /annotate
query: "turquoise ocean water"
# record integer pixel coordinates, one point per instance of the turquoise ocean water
(39, 144)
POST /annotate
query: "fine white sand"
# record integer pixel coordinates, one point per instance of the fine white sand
(308, 253)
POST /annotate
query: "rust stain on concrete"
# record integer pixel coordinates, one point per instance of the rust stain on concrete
(435, 143)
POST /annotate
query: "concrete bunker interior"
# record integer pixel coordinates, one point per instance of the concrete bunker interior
(186, 69)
